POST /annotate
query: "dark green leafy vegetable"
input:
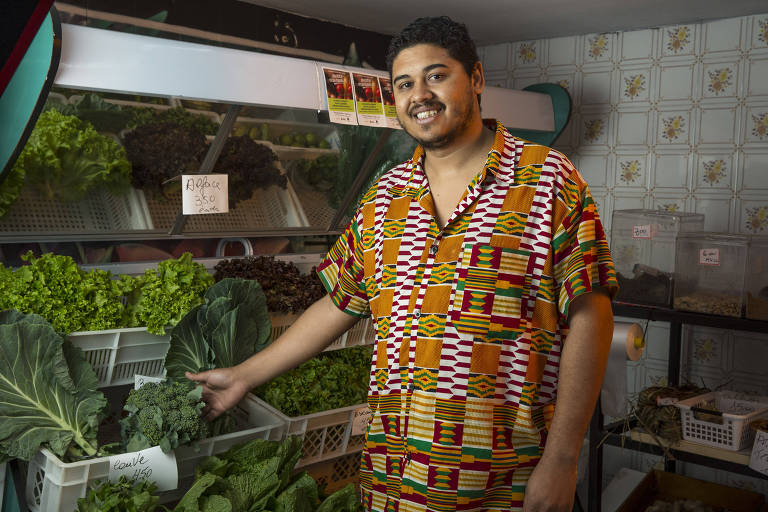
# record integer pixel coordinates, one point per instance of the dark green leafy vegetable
(176, 115)
(160, 151)
(329, 381)
(166, 414)
(286, 288)
(48, 389)
(249, 165)
(164, 295)
(65, 158)
(56, 288)
(10, 188)
(229, 327)
(104, 116)
(122, 496)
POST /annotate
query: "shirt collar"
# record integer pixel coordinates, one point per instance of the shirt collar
(414, 177)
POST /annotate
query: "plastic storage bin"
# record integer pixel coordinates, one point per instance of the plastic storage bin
(326, 434)
(643, 250)
(118, 354)
(361, 333)
(721, 418)
(55, 486)
(757, 278)
(710, 273)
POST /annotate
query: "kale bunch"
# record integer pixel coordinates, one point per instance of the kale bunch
(286, 288)
(122, 496)
(249, 165)
(160, 151)
(168, 414)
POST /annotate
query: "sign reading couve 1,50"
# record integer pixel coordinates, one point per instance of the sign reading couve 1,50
(204, 193)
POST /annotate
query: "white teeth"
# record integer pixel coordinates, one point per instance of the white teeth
(426, 114)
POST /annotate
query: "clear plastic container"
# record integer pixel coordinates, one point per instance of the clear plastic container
(710, 273)
(757, 279)
(643, 250)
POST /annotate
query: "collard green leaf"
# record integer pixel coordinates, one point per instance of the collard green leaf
(343, 500)
(42, 403)
(299, 496)
(188, 351)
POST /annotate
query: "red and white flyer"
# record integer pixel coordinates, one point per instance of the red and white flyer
(338, 90)
(388, 97)
(370, 110)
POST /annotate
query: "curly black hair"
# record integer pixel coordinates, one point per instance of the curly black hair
(440, 31)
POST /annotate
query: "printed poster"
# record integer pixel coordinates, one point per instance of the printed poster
(388, 98)
(341, 103)
(370, 110)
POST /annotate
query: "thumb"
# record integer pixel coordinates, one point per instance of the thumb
(197, 377)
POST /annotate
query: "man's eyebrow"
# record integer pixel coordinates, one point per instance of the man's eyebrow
(427, 69)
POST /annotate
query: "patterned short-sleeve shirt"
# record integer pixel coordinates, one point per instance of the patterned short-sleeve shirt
(470, 323)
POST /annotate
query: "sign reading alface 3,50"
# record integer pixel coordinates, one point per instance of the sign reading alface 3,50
(204, 193)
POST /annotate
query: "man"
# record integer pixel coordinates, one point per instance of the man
(485, 268)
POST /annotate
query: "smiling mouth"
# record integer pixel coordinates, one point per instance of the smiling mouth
(427, 115)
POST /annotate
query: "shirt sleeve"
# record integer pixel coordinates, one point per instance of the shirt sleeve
(341, 272)
(581, 257)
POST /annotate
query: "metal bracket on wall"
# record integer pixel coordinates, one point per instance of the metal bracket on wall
(210, 158)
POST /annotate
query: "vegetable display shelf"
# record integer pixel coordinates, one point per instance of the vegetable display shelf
(271, 208)
(55, 486)
(315, 204)
(99, 212)
(327, 434)
(118, 354)
(361, 333)
(685, 451)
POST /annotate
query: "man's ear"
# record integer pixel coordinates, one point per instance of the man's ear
(478, 78)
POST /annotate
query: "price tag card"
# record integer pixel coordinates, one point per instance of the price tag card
(360, 422)
(140, 380)
(758, 458)
(204, 193)
(150, 464)
(642, 231)
(370, 110)
(709, 256)
(388, 97)
(338, 90)
(661, 402)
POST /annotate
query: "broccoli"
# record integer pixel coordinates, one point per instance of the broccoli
(168, 414)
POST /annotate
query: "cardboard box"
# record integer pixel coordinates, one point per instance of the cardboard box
(670, 487)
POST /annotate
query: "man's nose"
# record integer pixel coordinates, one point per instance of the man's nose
(421, 92)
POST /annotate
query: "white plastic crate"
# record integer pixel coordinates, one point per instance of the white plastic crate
(55, 486)
(98, 212)
(332, 475)
(118, 354)
(361, 333)
(327, 434)
(729, 427)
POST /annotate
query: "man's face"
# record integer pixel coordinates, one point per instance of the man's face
(436, 100)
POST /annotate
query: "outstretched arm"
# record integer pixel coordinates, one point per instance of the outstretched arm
(313, 331)
(552, 484)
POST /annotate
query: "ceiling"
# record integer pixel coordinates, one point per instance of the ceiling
(498, 21)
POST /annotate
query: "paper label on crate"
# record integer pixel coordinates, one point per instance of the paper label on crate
(661, 402)
(338, 92)
(758, 458)
(388, 98)
(370, 110)
(709, 256)
(642, 231)
(150, 464)
(204, 193)
(140, 380)
(361, 420)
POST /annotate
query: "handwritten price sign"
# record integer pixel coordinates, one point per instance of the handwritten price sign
(758, 459)
(204, 193)
(150, 464)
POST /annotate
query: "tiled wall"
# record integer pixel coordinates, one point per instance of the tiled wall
(671, 118)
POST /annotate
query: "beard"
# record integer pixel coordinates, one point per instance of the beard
(462, 120)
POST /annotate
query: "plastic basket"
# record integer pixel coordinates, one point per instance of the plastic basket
(721, 418)
(327, 434)
(99, 212)
(53, 485)
(270, 208)
(361, 333)
(332, 475)
(118, 354)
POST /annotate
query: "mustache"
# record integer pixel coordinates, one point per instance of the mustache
(436, 105)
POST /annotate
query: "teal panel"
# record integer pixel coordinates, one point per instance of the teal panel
(10, 499)
(18, 101)
(561, 105)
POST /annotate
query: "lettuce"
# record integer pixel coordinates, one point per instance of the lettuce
(49, 392)
(65, 158)
(10, 187)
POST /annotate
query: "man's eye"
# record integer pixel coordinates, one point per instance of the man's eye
(404, 85)
(436, 76)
